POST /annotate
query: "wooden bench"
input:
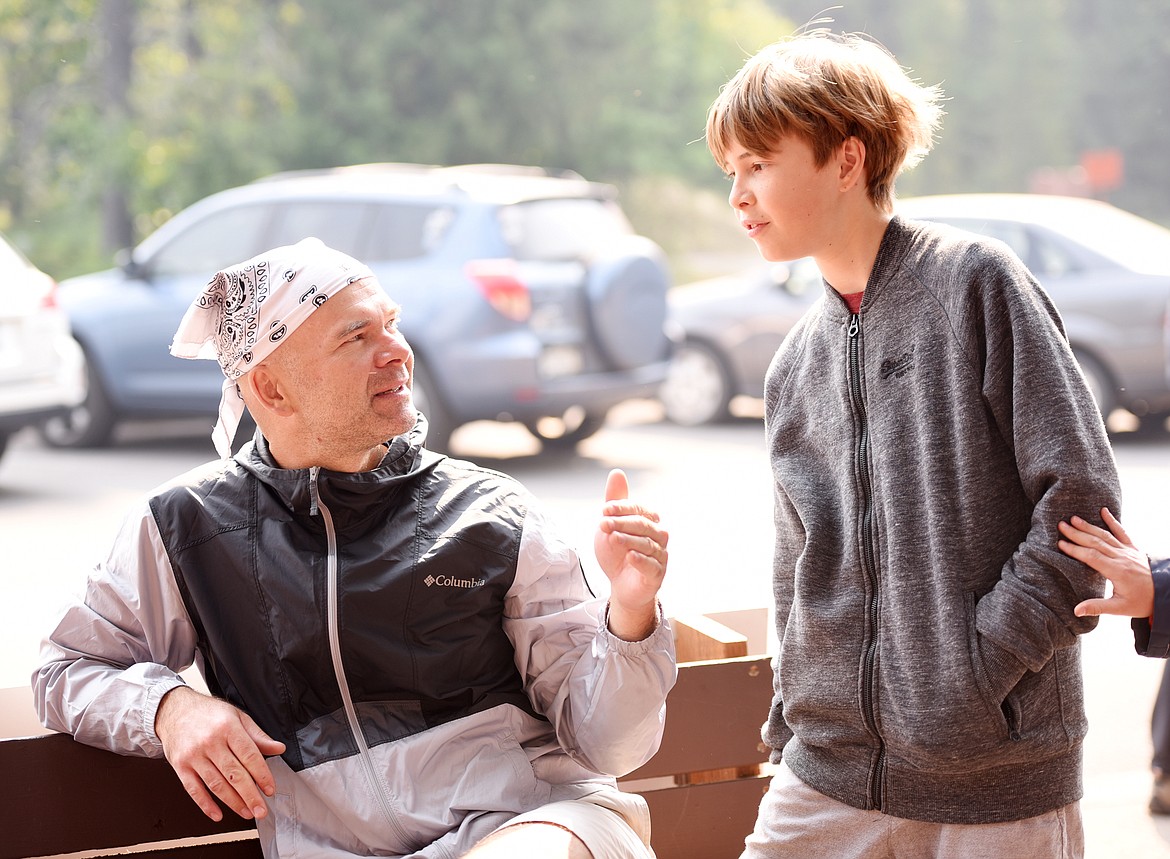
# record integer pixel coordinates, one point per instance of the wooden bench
(62, 798)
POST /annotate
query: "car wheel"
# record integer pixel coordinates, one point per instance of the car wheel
(428, 401)
(88, 424)
(564, 432)
(1099, 382)
(697, 389)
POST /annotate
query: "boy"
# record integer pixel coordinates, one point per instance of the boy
(928, 428)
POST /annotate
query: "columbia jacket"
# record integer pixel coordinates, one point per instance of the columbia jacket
(923, 451)
(426, 648)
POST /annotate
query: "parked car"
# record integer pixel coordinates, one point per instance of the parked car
(1107, 270)
(727, 330)
(41, 372)
(527, 296)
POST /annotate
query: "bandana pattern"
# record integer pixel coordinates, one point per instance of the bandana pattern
(248, 310)
(235, 296)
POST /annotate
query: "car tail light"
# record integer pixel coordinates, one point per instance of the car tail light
(500, 284)
(48, 292)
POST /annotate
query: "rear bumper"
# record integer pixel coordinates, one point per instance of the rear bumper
(595, 392)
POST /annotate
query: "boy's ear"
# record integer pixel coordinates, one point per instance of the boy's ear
(852, 162)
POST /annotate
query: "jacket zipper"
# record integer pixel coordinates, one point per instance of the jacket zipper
(869, 678)
(317, 507)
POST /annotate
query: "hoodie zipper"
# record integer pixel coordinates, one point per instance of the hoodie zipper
(318, 508)
(868, 562)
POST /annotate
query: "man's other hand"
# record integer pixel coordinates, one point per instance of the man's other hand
(216, 749)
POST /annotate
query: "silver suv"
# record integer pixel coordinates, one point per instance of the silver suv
(526, 296)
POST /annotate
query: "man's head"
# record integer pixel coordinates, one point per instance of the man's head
(824, 89)
(307, 338)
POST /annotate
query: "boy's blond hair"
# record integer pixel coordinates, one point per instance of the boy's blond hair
(826, 88)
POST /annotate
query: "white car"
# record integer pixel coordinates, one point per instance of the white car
(42, 373)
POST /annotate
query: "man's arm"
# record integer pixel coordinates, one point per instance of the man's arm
(604, 695)
(110, 677)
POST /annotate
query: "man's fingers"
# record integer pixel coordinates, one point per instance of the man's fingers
(228, 781)
(617, 487)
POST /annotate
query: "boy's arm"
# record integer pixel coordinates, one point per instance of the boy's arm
(1064, 462)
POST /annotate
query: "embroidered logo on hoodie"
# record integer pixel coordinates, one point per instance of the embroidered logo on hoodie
(897, 367)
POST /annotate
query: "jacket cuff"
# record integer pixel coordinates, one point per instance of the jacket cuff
(650, 642)
(154, 696)
(1154, 639)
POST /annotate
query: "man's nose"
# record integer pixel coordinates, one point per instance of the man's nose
(393, 349)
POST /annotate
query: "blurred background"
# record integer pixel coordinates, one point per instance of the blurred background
(119, 113)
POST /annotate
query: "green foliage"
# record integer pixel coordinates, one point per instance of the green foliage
(223, 92)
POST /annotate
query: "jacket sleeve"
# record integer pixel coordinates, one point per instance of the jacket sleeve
(605, 697)
(1151, 635)
(114, 655)
(1050, 422)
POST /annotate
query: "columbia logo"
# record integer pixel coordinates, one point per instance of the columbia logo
(452, 582)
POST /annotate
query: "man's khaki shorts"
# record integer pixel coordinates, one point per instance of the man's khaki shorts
(613, 825)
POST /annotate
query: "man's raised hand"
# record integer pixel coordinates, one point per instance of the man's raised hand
(631, 550)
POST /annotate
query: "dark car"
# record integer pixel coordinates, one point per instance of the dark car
(1107, 271)
(526, 296)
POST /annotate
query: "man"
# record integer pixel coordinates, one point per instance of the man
(405, 660)
(927, 428)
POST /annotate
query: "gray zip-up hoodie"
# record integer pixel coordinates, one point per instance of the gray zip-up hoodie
(923, 451)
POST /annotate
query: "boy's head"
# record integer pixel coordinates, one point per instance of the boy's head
(825, 88)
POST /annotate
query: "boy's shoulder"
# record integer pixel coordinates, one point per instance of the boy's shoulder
(942, 253)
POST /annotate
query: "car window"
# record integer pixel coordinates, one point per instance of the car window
(341, 226)
(1044, 258)
(406, 231)
(221, 239)
(561, 229)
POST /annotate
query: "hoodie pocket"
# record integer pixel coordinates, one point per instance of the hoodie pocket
(1001, 703)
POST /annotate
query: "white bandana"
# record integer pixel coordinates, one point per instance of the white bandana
(249, 309)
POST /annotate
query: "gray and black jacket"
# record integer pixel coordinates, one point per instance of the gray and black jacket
(418, 637)
(923, 451)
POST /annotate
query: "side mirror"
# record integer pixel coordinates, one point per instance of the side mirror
(133, 270)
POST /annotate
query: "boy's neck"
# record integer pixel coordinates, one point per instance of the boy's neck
(847, 265)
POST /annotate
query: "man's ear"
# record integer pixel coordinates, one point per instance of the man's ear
(852, 161)
(263, 387)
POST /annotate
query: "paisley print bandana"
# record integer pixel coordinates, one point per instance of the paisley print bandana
(249, 309)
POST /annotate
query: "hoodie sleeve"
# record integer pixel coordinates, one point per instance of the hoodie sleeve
(116, 653)
(605, 697)
(1050, 422)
